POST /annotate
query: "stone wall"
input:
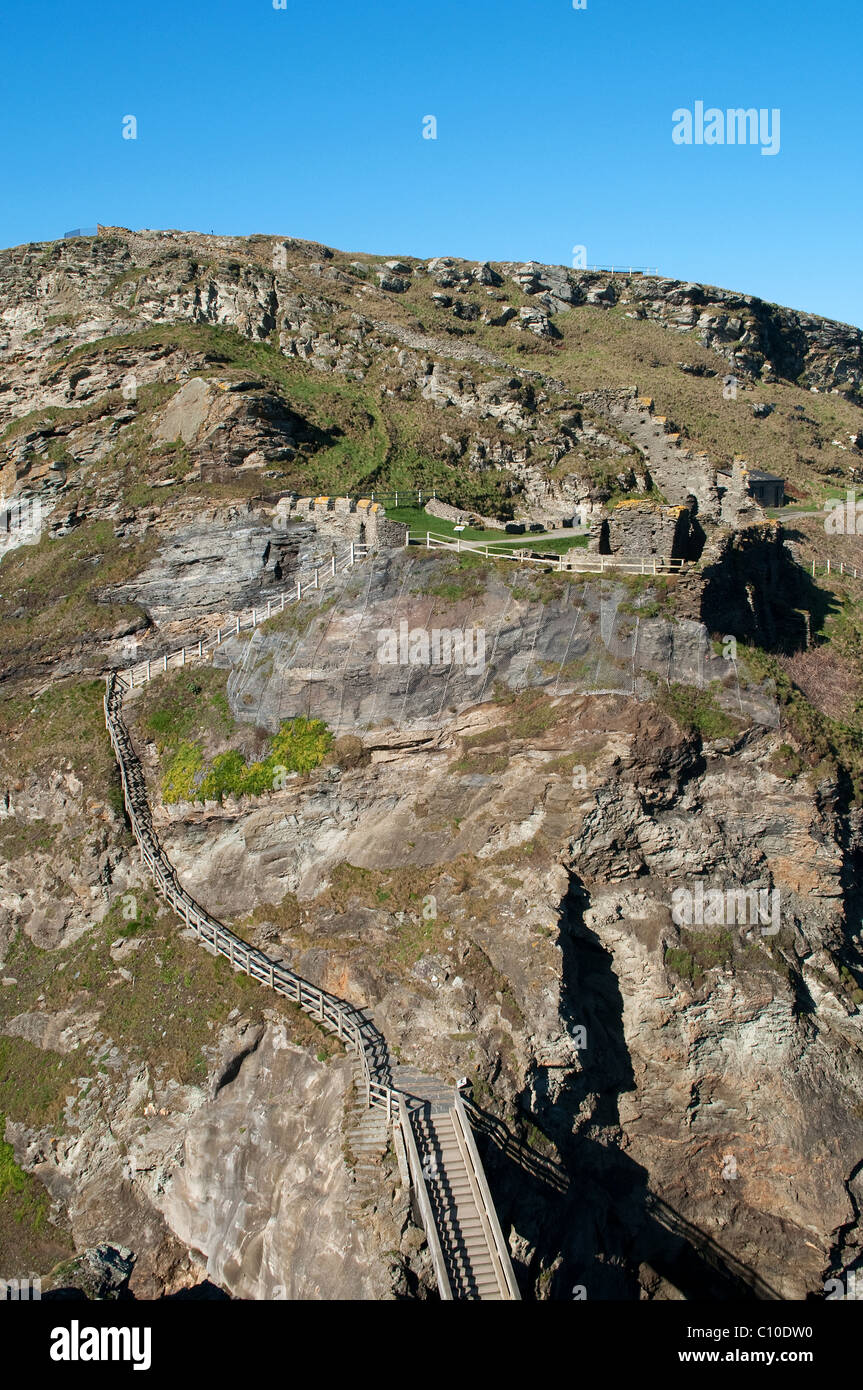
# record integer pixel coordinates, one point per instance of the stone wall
(346, 518)
(680, 473)
(738, 508)
(435, 507)
(391, 533)
(754, 591)
(642, 528)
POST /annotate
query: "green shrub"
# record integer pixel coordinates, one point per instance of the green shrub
(300, 745)
(785, 761)
(178, 782)
(227, 774)
(683, 963)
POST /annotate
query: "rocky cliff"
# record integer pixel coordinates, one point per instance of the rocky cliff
(488, 856)
(427, 368)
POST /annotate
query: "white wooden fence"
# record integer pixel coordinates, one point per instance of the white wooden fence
(251, 618)
(573, 560)
(829, 566)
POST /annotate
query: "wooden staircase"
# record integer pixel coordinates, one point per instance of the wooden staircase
(477, 1266)
(367, 1137)
(446, 1176)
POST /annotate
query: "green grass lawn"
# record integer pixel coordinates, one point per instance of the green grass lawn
(420, 521)
(559, 546)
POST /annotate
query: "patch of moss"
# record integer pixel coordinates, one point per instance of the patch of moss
(699, 952)
(29, 1204)
(785, 761)
(51, 592)
(831, 748)
(63, 726)
(530, 712)
(496, 735)
(28, 1240)
(697, 711)
(401, 888)
(297, 618)
(33, 1082)
(464, 576)
(184, 704)
(482, 762)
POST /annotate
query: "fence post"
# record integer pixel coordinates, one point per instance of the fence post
(352, 546)
(183, 657)
(299, 590)
(148, 668)
(317, 586)
(458, 544)
(200, 646)
(813, 569)
(334, 562)
(828, 564)
(428, 540)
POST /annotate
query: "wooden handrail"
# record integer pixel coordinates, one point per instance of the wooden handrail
(418, 1183)
(480, 1205)
(489, 1215)
(313, 1000)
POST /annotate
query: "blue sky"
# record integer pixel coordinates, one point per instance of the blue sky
(553, 130)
